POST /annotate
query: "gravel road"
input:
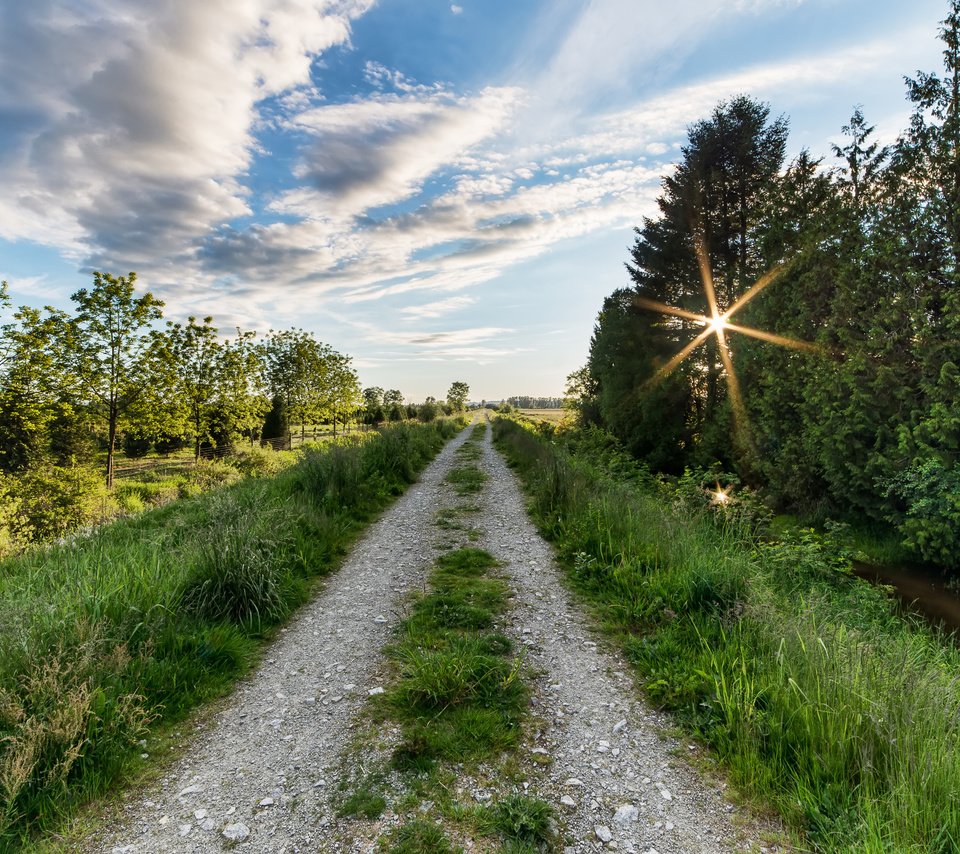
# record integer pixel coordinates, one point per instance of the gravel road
(259, 775)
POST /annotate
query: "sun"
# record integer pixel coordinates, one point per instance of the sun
(718, 324)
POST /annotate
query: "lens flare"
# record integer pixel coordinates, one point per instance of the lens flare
(719, 324)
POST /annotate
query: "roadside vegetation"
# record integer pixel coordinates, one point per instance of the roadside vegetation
(819, 698)
(799, 321)
(459, 700)
(106, 393)
(110, 635)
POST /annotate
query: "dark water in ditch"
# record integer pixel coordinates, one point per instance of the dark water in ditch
(921, 590)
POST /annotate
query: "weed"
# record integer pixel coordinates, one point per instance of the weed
(523, 820)
(466, 480)
(803, 680)
(420, 836)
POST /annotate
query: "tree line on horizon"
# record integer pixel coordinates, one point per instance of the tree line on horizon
(857, 415)
(110, 377)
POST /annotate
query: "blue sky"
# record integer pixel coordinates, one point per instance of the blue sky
(443, 191)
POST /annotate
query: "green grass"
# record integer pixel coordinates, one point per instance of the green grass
(419, 836)
(365, 800)
(523, 821)
(458, 694)
(135, 625)
(467, 479)
(459, 699)
(816, 696)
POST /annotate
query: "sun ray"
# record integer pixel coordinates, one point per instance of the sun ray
(686, 351)
(719, 324)
(741, 421)
(766, 279)
(706, 275)
(653, 305)
(773, 338)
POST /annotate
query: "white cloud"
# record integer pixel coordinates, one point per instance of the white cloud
(142, 115)
(457, 10)
(380, 150)
(501, 207)
(437, 309)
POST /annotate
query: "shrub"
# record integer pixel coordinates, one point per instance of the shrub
(261, 461)
(207, 475)
(56, 500)
(135, 446)
(931, 528)
(166, 443)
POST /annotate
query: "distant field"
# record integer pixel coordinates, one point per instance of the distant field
(554, 416)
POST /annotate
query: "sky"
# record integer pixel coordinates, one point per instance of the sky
(442, 191)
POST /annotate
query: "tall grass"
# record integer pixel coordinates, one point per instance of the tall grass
(816, 695)
(144, 619)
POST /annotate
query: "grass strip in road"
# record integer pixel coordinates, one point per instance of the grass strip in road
(814, 693)
(459, 695)
(459, 699)
(106, 637)
(466, 479)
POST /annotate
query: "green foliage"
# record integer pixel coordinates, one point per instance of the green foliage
(804, 681)
(110, 351)
(135, 445)
(260, 461)
(150, 616)
(861, 262)
(53, 501)
(457, 396)
(931, 492)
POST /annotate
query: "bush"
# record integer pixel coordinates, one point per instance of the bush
(207, 475)
(135, 446)
(55, 501)
(931, 528)
(167, 444)
(261, 461)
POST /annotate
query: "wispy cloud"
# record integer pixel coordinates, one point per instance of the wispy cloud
(436, 309)
(141, 125)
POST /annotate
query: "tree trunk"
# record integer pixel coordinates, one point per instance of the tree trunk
(111, 443)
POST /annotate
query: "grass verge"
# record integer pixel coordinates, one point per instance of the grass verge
(814, 693)
(134, 626)
(459, 699)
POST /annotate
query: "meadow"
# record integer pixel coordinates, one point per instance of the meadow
(109, 636)
(815, 694)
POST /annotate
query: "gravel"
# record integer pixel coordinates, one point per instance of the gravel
(260, 774)
(614, 779)
(261, 771)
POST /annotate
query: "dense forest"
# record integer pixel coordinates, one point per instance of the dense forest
(799, 322)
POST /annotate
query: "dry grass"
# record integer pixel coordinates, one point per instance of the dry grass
(551, 416)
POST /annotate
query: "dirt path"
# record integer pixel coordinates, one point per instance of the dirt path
(261, 773)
